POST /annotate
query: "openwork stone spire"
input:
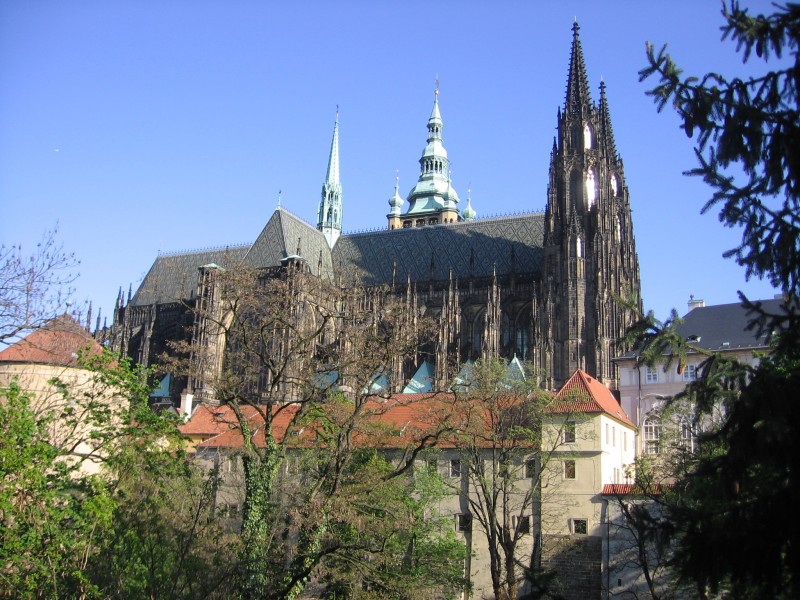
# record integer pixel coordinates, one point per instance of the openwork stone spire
(330, 207)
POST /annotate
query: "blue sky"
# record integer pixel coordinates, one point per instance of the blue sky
(145, 127)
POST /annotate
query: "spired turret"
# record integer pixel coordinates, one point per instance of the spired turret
(433, 200)
(589, 251)
(329, 220)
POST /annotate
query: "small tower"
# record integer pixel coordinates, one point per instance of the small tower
(589, 252)
(395, 202)
(469, 213)
(329, 221)
(433, 199)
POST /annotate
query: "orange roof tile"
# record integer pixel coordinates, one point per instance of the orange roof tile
(584, 393)
(629, 489)
(388, 423)
(57, 343)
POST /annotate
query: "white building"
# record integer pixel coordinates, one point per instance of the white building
(723, 328)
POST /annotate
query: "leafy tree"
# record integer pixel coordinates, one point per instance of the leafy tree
(69, 531)
(49, 520)
(34, 288)
(743, 485)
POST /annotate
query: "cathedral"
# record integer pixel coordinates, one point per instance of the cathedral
(538, 287)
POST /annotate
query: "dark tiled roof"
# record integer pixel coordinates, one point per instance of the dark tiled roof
(469, 249)
(472, 249)
(723, 327)
(280, 238)
(173, 277)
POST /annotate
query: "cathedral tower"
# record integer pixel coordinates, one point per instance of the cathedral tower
(329, 221)
(590, 258)
(433, 199)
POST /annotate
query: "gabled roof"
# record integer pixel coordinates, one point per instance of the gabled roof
(468, 249)
(722, 328)
(287, 235)
(57, 343)
(173, 277)
(582, 393)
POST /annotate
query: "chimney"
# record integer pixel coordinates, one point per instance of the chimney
(695, 303)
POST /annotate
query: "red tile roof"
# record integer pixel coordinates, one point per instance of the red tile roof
(630, 489)
(391, 423)
(57, 343)
(583, 393)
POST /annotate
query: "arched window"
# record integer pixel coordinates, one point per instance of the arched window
(522, 342)
(587, 137)
(576, 189)
(652, 435)
(614, 185)
(579, 247)
(591, 189)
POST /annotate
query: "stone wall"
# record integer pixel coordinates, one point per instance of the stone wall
(575, 561)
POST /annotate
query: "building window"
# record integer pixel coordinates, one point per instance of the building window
(608, 434)
(522, 524)
(688, 434)
(569, 469)
(463, 522)
(624, 440)
(432, 465)
(580, 526)
(651, 374)
(690, 373)
(530, 468)
(614, 436)
(569, 432)
(455, 468)
(652, 435)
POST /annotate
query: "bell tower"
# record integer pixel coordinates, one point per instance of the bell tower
(590, 260)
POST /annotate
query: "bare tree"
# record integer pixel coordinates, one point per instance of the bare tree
(506, 453)
(35, 287)
(296, 359)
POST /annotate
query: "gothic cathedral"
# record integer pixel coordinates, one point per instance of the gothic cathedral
(543, 288)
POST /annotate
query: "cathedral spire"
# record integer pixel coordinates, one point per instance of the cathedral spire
(606, 132)
(578, 99)
(329, 220)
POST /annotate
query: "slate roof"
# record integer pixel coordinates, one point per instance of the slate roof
(582, 393)
(57, 343)
(722, 328)
(173, 277)
(287, 235)
(470, 249)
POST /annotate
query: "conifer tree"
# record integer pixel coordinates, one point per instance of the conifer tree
(729, 512)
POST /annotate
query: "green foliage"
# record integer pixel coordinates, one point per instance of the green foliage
(141, 526)
(49, 520)
(741, 488)
(753, 125)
